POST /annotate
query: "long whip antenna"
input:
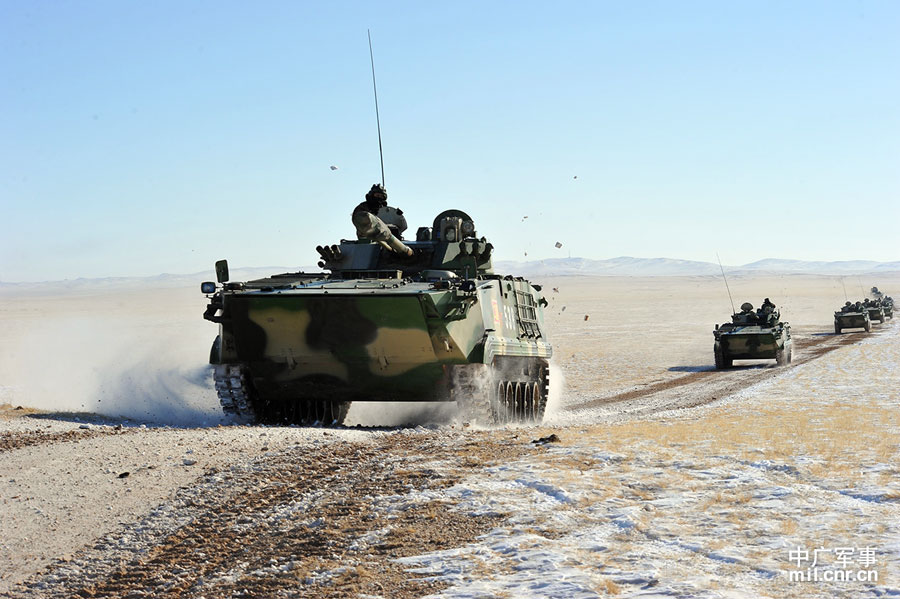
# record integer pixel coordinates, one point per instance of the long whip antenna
(733, 311)
(846, 299)
(377, 118)
(861, 290)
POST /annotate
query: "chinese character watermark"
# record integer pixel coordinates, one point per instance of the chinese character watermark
(848, 564)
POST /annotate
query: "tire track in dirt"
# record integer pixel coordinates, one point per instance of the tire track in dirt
(326, 522)
(705, 386)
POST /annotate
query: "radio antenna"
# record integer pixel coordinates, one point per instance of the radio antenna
(377, 118)
(733, 311)
(846, 299)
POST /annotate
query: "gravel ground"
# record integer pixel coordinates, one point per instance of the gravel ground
(97, 506)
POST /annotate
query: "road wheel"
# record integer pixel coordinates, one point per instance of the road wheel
(528, 411)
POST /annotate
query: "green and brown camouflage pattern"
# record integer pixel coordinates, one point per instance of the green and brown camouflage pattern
(381, 326)
(851, 320)
(744, 340)
(876, 313)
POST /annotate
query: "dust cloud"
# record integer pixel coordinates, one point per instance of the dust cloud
(124, 354)
(557, 392)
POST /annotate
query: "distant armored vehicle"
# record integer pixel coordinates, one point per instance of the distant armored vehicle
(852, 316)
(888, 304)
(392, 320)
(752, 336)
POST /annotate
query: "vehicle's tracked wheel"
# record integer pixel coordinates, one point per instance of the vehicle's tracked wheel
(235, 391)
(536, 404)
(519, 405)
(507, 411)
(528, 405)
(719, 356)
(837, 329)
(541, 400)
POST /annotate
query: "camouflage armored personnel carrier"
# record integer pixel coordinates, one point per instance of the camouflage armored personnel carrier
(852, 316)
(392, 320)
(876, 311)
(887, 302)
(752, 336)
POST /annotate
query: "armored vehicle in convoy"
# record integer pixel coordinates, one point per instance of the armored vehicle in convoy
(391, 320)
(852, 316)
(753, 336)
(887, 302)
(876, 311)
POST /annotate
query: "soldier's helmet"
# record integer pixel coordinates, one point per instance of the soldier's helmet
(377, 196)
(848, 304)
(746, 306)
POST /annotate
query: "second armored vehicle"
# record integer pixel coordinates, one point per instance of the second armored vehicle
(392, 320)
(852, 316)
(752, 336)
(876, 311)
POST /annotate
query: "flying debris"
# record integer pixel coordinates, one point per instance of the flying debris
(586, 317)
(575, 177)
(556, 290)
(524, 217)
(558, 245)
(332, 167)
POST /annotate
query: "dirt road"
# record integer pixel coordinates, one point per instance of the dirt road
(125, 511)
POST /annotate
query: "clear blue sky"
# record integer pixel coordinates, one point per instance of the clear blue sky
(145, 137)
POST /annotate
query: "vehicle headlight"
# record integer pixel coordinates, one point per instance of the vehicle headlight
(208, 287)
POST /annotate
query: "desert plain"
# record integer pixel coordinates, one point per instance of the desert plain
(120, 478)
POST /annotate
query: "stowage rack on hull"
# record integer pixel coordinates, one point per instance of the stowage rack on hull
(391, 320)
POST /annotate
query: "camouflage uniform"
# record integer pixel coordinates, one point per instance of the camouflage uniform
(376, 204)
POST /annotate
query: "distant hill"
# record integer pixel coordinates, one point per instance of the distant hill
(621, 266)
(628, 266)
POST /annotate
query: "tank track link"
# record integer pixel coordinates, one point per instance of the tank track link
(234, 391)
(239, 400)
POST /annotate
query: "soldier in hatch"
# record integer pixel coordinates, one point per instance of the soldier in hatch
(376, 205)
(848, 307)
(747, 315)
